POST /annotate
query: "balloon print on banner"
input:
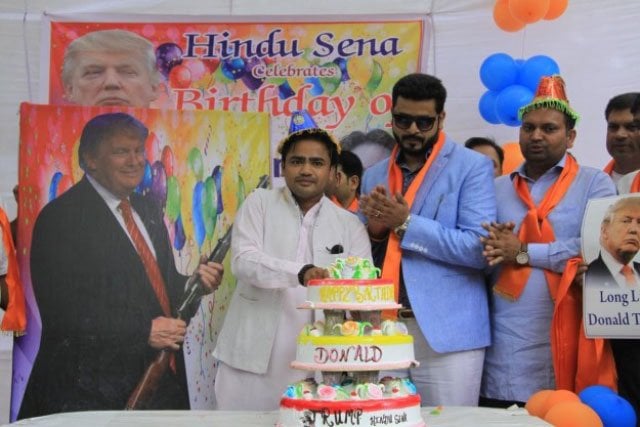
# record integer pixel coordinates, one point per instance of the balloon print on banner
(59, 184)
(513, 15)
(168, 55)
(511, 84)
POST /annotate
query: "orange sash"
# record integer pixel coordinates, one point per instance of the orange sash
(391, 265)
(353, 207)
(608, 169)
(578, 361)
(635, 184)
(535, 228)
(15, 317)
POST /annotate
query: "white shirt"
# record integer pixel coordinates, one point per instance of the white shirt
(112, 203)
(623, 184)
(615, 268)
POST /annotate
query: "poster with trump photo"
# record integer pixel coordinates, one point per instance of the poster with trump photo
(340, 69)
(198, 167)
(610, 246)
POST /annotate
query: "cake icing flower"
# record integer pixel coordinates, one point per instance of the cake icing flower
(326, 392)
(370, 391)
(409, 386)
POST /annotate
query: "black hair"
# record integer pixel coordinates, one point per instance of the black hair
(105, 126)
(478, 141)
(635, 108)
(624, 101)
(318, 135)
(377, 136)
(420, 87)
(351, 165)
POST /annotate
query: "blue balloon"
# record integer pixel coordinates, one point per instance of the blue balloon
(180, 238)
(487, 107)
(509, 102)
(234, 68)
(216, 174)
(498, 71)
(199, 230)
(53, 185)
(534, 68)
(147, 179)
(342, 63)
(613, 410)
(592, 393)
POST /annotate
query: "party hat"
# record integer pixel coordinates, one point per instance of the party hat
(550, 94)
(303, 124)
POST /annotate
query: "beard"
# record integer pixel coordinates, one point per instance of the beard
(415, 145)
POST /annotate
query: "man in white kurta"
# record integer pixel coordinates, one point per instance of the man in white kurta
(281, 239)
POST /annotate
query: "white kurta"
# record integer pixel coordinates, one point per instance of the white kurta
(271, 242)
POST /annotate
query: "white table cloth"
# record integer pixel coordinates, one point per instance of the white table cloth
(434, 417)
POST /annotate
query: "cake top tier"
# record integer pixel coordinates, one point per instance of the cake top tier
(353, 268)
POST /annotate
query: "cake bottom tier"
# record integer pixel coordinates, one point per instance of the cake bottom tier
(399, 411)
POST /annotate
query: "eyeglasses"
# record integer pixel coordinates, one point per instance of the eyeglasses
(423, 123)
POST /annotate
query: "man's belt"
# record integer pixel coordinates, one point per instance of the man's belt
(405, 313)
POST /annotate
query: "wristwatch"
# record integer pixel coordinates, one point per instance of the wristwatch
(400, 230)
(522, 257)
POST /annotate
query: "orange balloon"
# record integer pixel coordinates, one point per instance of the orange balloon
(503, 18)
(557, 397)
(528, 11)
(536, 402)
(573, 414)
(512, 157)
(556, 8)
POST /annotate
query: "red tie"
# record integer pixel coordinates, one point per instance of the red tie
(629, 277)
(149, 262)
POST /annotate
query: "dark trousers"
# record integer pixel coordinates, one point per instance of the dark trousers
(627, 355)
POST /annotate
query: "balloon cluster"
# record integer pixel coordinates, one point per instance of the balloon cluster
(511, 83)
(513, 15)
(192, 211)
(179, 72)
(595, 406)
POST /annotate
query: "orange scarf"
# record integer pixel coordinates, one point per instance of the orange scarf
(535, 228)
(608, 169)
(353, 207)
(578, 361)
(635, 184)
(391, 266)
(15, 317)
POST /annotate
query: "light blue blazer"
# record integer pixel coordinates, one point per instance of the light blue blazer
(442, 260)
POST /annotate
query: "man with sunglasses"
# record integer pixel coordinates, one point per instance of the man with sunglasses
(423, 207)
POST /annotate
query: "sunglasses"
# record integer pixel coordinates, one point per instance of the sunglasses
(423, 123)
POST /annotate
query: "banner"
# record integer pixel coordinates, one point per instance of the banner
(340, 69)
(199, 167)
(610, 246)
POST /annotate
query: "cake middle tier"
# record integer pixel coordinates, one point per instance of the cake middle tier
(354, 353)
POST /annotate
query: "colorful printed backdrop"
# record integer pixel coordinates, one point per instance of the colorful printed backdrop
(341, 71)
(200, 166)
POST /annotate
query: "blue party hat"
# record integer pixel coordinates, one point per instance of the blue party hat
(301, 120)
(303, 124)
